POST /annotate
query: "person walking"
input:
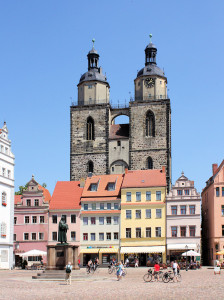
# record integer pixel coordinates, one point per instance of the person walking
(68, 270)
(175, 267)
(119, 270)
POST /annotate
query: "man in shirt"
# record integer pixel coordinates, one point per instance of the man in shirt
(68, 270)
(156, 271)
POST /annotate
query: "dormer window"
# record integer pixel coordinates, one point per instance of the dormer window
(111, 186)
(93, 187)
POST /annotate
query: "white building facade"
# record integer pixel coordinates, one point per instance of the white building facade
(7, 200)
(183, 218)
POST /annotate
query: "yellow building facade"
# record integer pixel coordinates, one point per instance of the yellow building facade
(143, 217)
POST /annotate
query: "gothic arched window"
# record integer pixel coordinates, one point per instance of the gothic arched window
(90, 166)
(150, 124)
(4, 200)
(149, 163)
(90, 129)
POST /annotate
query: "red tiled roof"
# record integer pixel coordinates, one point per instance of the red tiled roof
(144, 178)
(102, 190)
(17, 199)
(100, 212)
(66, 195)
(100, 199)
(119, 131)
(47, 195)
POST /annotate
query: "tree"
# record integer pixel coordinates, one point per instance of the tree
(44, 185)
(21, 189)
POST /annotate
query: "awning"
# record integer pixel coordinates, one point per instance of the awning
(152, 249)
(181, 246)
(109, 250)
(92, 250)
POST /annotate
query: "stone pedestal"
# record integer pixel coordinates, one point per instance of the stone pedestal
(59, 255)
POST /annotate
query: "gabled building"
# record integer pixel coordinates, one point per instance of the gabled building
(183, 218)
(100, 218)
(213, 215)
(65, 202)
(143, 216)
(6, 200)
(31, 221)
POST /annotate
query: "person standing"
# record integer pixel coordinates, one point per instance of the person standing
(68, 270)
(175, 267)
(119, 270)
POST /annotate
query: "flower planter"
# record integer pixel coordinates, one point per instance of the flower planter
(4, 204)
(3, 235)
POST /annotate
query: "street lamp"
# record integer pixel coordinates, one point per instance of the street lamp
(186, 247)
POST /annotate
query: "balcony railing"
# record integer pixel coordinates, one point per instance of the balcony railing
(153, 97)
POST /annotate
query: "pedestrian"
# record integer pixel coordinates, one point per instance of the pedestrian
(79, 263)
(175, 267)
(119, 270)
(136, 263)
(68, 270)
(127, 262)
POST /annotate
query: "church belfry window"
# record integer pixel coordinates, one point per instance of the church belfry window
(150, 124)
(149, 163)
(90, 166)
(90, 129)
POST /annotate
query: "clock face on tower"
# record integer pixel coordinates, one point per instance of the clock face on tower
(149, 82)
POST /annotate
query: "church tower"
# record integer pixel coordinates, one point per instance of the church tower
(89, 122)
(150, 118)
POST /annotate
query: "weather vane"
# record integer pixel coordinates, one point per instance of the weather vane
(93, 40)
(150, 36)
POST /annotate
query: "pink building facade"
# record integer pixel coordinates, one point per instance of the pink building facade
(31, 221)
(65, 202)
(213, 216)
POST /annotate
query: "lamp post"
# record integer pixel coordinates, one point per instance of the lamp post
(186, 247)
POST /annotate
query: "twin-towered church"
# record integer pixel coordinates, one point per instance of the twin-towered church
(100, 146)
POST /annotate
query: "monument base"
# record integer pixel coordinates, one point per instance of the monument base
(58, 256)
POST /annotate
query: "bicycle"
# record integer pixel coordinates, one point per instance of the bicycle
(92, 269)
(169, 276)
(149, 276)
(111, 269)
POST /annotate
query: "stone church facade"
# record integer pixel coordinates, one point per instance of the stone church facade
(100, 146)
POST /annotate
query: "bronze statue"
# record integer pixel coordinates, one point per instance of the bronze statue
(62, 231)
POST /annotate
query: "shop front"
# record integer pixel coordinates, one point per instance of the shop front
(105, 255)
(146, 256)
(174, 252)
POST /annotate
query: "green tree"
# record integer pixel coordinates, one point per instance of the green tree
(44, 185)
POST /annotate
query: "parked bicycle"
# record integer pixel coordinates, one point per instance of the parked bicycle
(150, 277)
(169, 276)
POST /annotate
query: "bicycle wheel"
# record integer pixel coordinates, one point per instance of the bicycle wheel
(160, 276)
(179, 277)
(110, 270)
(147, 277)
(125, 271)
(87, 270)
(166, 278)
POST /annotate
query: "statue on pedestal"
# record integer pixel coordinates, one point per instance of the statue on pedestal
(62, 231)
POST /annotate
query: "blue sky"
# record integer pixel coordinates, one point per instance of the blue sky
(43, 54)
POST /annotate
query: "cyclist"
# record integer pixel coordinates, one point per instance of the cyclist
(89, 265)
(156, 270)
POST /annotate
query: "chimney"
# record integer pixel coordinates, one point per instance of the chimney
(163, 169)
(82, 182)
(126, 170)
(214, 168)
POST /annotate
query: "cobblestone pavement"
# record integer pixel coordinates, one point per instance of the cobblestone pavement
(198, 284)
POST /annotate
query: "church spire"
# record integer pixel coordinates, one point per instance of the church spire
(150, 53)
(93, 58)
